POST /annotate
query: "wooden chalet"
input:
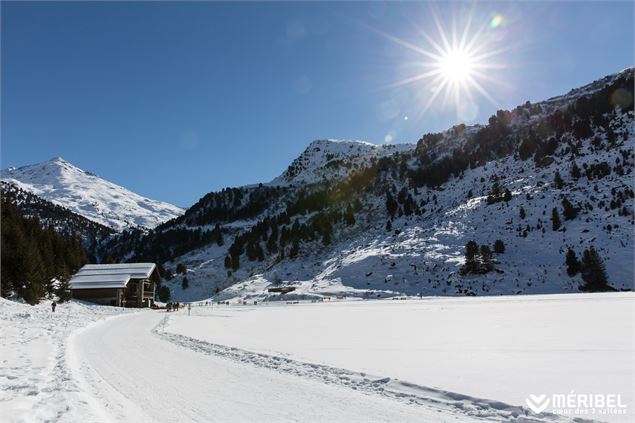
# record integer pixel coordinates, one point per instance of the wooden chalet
(124, 285)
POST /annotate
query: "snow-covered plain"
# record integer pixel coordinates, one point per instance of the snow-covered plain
(501, 348)
(434, 359)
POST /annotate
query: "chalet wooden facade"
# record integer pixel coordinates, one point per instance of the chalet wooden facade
(125, 284)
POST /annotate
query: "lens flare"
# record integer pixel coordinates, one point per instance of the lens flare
(496, 21)
(456, 64)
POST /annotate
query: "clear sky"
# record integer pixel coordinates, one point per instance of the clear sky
(173, 100)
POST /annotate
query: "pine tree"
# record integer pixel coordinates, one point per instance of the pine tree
(507, 196)
(495, 193)
(185, 283)
(220, 240)
(486, 257)
(391, 204)
(575, 171)
(499, 246)
(349, 216)
(593, 273)
(573, 265)
(388, 225)
(272, 244)
(34, 278)
(163, 293)
(569, 211)
(180, 268)
(555, 219)
(471, 258)
(558, 180)
(295, 248)
(522, 213)
(326, 238)
(235, 262)
(471, 251)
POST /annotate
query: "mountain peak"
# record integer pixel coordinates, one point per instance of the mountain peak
(86, 194)
(333, 159)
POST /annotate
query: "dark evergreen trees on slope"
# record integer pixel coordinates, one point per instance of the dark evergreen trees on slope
(495, 194)
(391, 205)
(555, 219)
(575, 171)
(471, 258)
(63, 290)
(573, 265)
(218, 234)
(163, 293)
(185, 283)
(499, 246)
(594, 273)
(507, 196)
(569, 211)
(330, 198)
(557, 180)
(486, 258)
(32, 256)
(66, 222)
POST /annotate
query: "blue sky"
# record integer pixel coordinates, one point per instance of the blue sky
(173, 100)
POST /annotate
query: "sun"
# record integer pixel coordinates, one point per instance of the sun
(455, 66)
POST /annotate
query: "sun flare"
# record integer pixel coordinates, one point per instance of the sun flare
(456, 66)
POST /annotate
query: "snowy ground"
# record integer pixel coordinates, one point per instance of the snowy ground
(502, 348)
(35, 382)
(435, 359)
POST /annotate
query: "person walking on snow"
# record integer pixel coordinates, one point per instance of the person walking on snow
(53, 305)
(189, 308)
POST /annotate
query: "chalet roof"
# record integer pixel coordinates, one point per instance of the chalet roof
(94, 276)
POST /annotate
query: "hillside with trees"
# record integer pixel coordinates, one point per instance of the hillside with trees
(36, 261)
(550, 176)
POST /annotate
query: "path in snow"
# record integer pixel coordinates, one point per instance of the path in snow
(35, 382)
(446, 402)
(502, 348)
(136, 374)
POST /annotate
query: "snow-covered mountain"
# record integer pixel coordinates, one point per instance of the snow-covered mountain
(88, 195)
(334, 159)
(60, 218)
(397, 222)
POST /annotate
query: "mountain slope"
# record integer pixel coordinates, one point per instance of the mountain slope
(60, 218)
(399, 224)
(334, 159)
(86, 194)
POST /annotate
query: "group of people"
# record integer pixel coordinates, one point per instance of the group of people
(176, 306)
(172, 306)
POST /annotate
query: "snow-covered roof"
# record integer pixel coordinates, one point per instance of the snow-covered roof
(94, 276)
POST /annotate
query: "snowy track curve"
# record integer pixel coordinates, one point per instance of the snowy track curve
(131, 371)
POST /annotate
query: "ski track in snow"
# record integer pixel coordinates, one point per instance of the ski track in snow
(447, 402)
(102, 364)
(135, 375)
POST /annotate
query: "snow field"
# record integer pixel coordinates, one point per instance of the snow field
(35, 381)
(499, 348)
